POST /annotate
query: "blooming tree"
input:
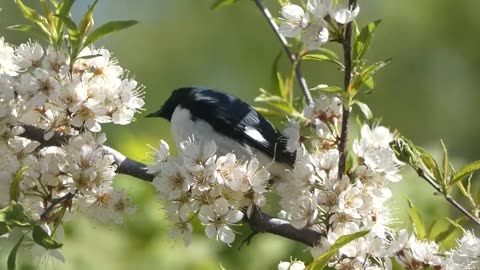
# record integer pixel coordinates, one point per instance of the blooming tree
(55, 96)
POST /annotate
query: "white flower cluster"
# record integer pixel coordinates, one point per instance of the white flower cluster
(312, 26)
(416, 254)
(411, 253)
(324, 118)
(314, 197)
(40, 87)
(217, 189)
(467, 255)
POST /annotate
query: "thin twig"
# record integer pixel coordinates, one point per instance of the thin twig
(454, 203)
(44, 216)
(293, 58)
(259, 221)
(347, 55)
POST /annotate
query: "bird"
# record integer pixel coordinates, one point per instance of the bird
(234, 125)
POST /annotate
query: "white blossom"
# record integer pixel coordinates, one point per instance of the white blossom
(105, 204)
(199, 158)
(183, 228)
(343, 13)
(172, 182)
(295, 265)
(217, 220)
(28, 54)
(249, 175)
(320, 8)
(7, 59)
(295, 19)
(303, 211)
(315, 35)
(293, 134)
(425, 251)
(86, 166)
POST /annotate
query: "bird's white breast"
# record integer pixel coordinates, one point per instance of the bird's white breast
(183, 127)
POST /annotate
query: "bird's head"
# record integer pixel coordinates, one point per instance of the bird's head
(178, 97)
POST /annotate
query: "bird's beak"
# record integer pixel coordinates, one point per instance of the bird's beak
(158, 113)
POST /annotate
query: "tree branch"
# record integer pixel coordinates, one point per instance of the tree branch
(263, 223)
(293, 58)
(259, 221)
(347, 55)
(421, 173)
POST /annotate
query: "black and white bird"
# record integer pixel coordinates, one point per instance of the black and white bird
(234, 125)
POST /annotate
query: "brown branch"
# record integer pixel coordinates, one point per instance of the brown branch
(259, 221)
(421, 173)
(124, 165)
(291, 56)
(263, 223)
(347, 55)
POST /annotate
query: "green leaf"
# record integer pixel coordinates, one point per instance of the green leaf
(275, 82)
(29, 29)
(222, 3)
(465, 171)
(404, 151)
(457, 224)
(72, 29)
(12, 257)
(373, 68)
(444, 164)
(326, 88)
(321, 261)
(86, 22)
(42, 238)
(416, 152)
(29, 13)
(452, 228)
(364, 108)
(65, 6)
(369, 82)
(396, 265)
(106, 29)
(322, 57)
(431, 165)
(15, 185)
(268, 112)
(364, 77)
(417, 221)
(364, 39)
(275, 101)
(14, 215)
(4, 228)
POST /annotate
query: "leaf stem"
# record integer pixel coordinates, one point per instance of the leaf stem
(293, 58)
(347, 55)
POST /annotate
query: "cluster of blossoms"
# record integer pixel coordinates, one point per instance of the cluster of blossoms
(220, 190)
(312, 26)
(217, 189)
(314, 197)
(40, 87)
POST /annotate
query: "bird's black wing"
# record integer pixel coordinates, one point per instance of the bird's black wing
(234, 118)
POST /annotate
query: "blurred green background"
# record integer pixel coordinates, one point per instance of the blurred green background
(429, 92)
